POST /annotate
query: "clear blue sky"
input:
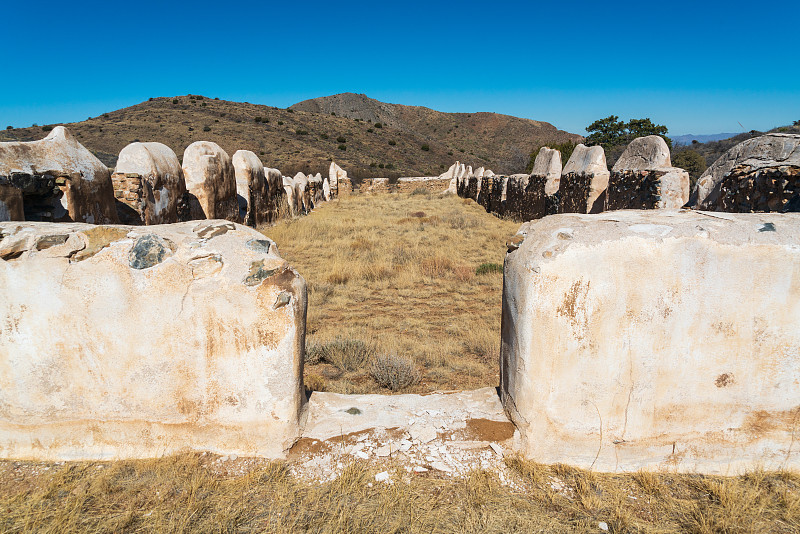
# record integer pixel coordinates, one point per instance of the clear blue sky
(697, 67)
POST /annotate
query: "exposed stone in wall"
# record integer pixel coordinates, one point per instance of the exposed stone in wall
(81, 187)
(10, 202)
(148, 184)
(745, 189)
(498, 202)
(583, 180)
(210, 182)
(251, 188)
(644, 178)
(277, 203)
(487, 192)
(132, 341)
(768, 151)
(601, 368)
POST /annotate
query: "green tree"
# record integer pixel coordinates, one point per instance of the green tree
(692, 162)
(606, 132)
(612, 132)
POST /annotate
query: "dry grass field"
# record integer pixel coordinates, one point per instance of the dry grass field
(409, 281)
(393, 278)
(190, 493)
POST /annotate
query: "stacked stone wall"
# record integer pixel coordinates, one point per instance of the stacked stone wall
(497, 204)
(574, 191)
(129, 191)
(767, 189)
(634, 189)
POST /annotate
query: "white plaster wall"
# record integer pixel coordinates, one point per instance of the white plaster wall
(655, 340)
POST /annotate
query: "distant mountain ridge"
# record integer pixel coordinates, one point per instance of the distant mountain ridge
(366, 137)
(705, 138)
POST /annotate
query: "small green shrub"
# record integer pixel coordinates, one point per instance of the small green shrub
(394, 372)
(9, 127)
(341, 139)
(342, 147)
(378, 125)
(301, 132)
(425, 148)
(390, 165)
(257, 119)
(323, 136)
(392, 142)
(289, 110)
(47, 127)
(206, 128)
(381, 165)
(487, 268)
(370, 130)
(449, 152)
(174, 100)
(280, 123)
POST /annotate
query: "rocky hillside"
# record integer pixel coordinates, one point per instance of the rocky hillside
(366, 137)
(501, 142)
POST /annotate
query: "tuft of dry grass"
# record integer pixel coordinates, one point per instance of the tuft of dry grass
(399, 270)
(194, 493)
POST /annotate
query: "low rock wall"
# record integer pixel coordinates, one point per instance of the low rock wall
(767, 189)
(141, 341)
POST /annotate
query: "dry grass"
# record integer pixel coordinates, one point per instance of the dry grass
(189, 493)
(398, 272)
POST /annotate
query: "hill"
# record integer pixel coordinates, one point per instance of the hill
(688, 138)
(409, 141)
(712, 150)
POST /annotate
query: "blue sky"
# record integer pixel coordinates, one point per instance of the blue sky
(697, 67)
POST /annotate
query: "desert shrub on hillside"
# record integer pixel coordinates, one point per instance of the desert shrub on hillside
(344, 354)
(425, 148)
(392, 142)
(342, 147)
(394, 372)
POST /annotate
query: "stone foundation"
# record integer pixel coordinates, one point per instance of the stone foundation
(695, 368)
(142, 341)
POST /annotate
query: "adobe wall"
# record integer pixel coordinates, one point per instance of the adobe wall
(141, 341)
(658, 339)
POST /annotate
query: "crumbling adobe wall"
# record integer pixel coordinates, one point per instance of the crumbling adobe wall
(486, 196)
(644, 178)
(695, 368)
(745, 189)
(584, 180)
(10, 202)
(526, 198)
(498, 202)
(148, 184)
(647, 189)
(60, 178)
(141, 341)
(774, 150)
(210, 182)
